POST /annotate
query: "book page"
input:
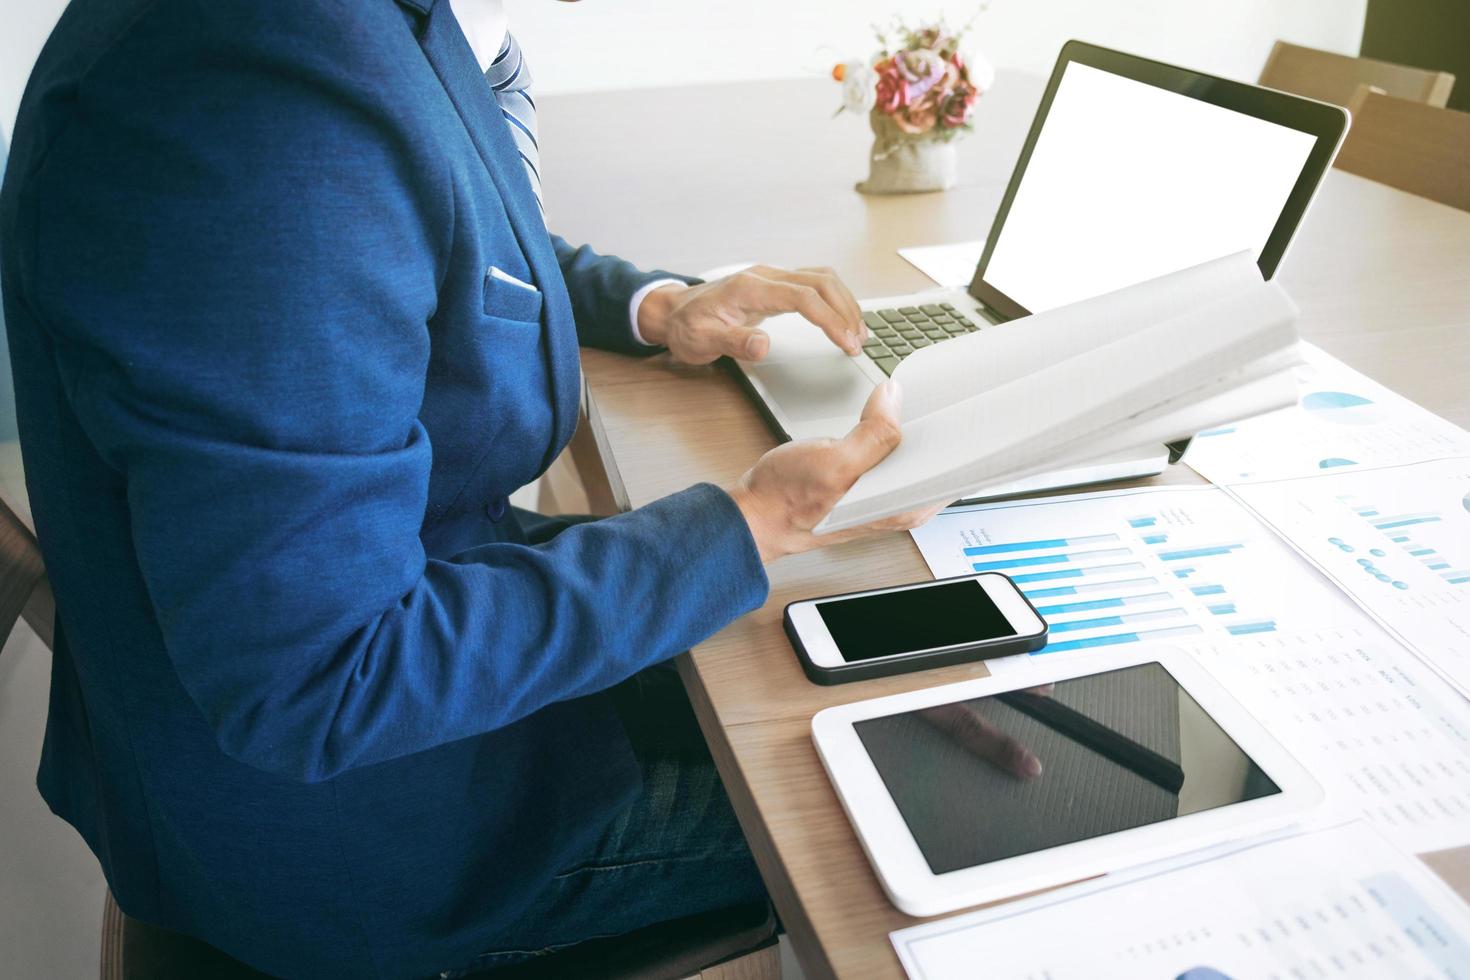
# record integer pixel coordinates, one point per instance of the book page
(945, 374)
(1026, 420)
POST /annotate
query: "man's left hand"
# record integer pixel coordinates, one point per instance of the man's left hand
(721, 319)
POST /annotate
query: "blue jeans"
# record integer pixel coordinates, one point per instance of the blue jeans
(676, 851)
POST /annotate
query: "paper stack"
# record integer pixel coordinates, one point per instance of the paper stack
(1142, 366)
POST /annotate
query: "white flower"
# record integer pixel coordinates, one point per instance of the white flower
(859, 87)
(982, 72)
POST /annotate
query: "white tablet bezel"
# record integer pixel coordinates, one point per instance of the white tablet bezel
(822, 651)
(905, 875)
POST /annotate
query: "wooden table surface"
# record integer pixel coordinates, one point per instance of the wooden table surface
(692, 178)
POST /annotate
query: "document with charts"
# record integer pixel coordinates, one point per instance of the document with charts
(1180, 564)
(1343, 421)
(1395, 538)
(1388, 740)
(1339, 902)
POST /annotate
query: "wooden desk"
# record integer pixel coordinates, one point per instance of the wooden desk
(699, 177)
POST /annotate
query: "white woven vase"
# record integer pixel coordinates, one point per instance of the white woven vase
(904, 164)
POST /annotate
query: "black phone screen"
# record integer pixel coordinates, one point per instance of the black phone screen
(943, 615)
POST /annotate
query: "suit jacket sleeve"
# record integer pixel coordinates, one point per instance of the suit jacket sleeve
(601, 287)
(238, 259)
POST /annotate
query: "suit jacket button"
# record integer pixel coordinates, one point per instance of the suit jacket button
(495, 509)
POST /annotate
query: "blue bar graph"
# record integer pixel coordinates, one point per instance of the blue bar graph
(1090, 605)
(1188, 553)
(1222, 609)
(1244, 629)
(1058, 559)
(1420, 552)
(1155, 538)
(1406, 521)
(1062, 590)
(1207, 589)
(1112, 639)
(1043, 545)
(1092, 570)
(1142, 522)
(1183, 572)
(1072, 625)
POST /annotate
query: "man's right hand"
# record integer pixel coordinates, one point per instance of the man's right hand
(792, 487)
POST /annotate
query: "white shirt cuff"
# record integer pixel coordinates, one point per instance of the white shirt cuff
(637, 301)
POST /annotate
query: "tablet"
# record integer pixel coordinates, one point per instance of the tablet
(991, 788)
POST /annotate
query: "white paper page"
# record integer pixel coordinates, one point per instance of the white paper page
(1339, 902)
(1181, 565)
(1036, 419)
(1344, 420)
(1387, 738)
(945, 374)
(1396, 539)
(948, 265)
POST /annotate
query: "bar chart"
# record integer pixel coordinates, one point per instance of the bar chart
(1397, 539)
(1107, 570)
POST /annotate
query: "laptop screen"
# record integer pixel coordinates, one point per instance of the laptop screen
(1128, 180)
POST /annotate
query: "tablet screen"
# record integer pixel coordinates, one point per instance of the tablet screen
(982, 780)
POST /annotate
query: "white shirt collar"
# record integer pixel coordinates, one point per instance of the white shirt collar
(485, 24)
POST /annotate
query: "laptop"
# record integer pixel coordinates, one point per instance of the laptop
(1132, 169)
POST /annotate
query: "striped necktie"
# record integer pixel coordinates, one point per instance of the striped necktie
(510, 78)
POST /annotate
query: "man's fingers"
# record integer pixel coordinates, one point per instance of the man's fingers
(748, 344)
(838, 296)
(759, 294)
(877, 433)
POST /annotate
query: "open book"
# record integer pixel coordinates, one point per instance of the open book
(1148, 364)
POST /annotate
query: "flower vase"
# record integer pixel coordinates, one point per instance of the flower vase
(903, 163)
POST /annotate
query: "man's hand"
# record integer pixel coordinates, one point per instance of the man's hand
(792, 487)
(720, 319)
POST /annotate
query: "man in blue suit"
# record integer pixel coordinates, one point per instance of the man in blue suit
(287, 329)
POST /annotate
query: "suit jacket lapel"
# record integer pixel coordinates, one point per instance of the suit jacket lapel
(450, 56)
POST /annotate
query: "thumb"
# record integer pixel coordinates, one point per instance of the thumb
(745, 343)
(877, 433)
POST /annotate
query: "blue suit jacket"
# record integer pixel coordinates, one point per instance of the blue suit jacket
(315, 699)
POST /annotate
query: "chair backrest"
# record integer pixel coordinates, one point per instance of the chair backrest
(1414, 147)
(1334, 77)
(22, 578)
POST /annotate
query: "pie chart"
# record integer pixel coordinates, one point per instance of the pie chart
(1340, 407)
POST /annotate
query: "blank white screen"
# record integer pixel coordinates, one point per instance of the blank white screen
(1128, 182)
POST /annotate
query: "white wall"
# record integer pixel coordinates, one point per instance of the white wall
(637, 43)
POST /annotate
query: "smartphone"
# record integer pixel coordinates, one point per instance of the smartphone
(853, 637)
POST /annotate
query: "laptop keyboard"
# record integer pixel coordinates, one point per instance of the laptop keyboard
(895, 334)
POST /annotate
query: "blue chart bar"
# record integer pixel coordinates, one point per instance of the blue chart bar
(1183, 572)
(1060, 559)
(1132, 566)
(1061, 609)
(1142, 522)
(1421, 552)
(1155, 538)
(1113, 639)
(1400, 538)
(1242, 629)
(1062, 590)
(1222, 608)
(1207, 589)
(1404, 520)
(1438, 565)
(1092, 624)
(1461, 580)
(1189, 553)
(1003, 549)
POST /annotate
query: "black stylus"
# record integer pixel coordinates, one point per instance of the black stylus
(1140, 759)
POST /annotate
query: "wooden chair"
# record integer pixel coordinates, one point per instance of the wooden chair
(730, 944)
(1333, 77)
(1414, 147)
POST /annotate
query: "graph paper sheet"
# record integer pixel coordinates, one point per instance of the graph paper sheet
(1387, 737)
(1338, 903)
(1396, 539)
(1343, 421)
(1133, 566)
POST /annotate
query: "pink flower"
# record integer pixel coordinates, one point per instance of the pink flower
(893, 89)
